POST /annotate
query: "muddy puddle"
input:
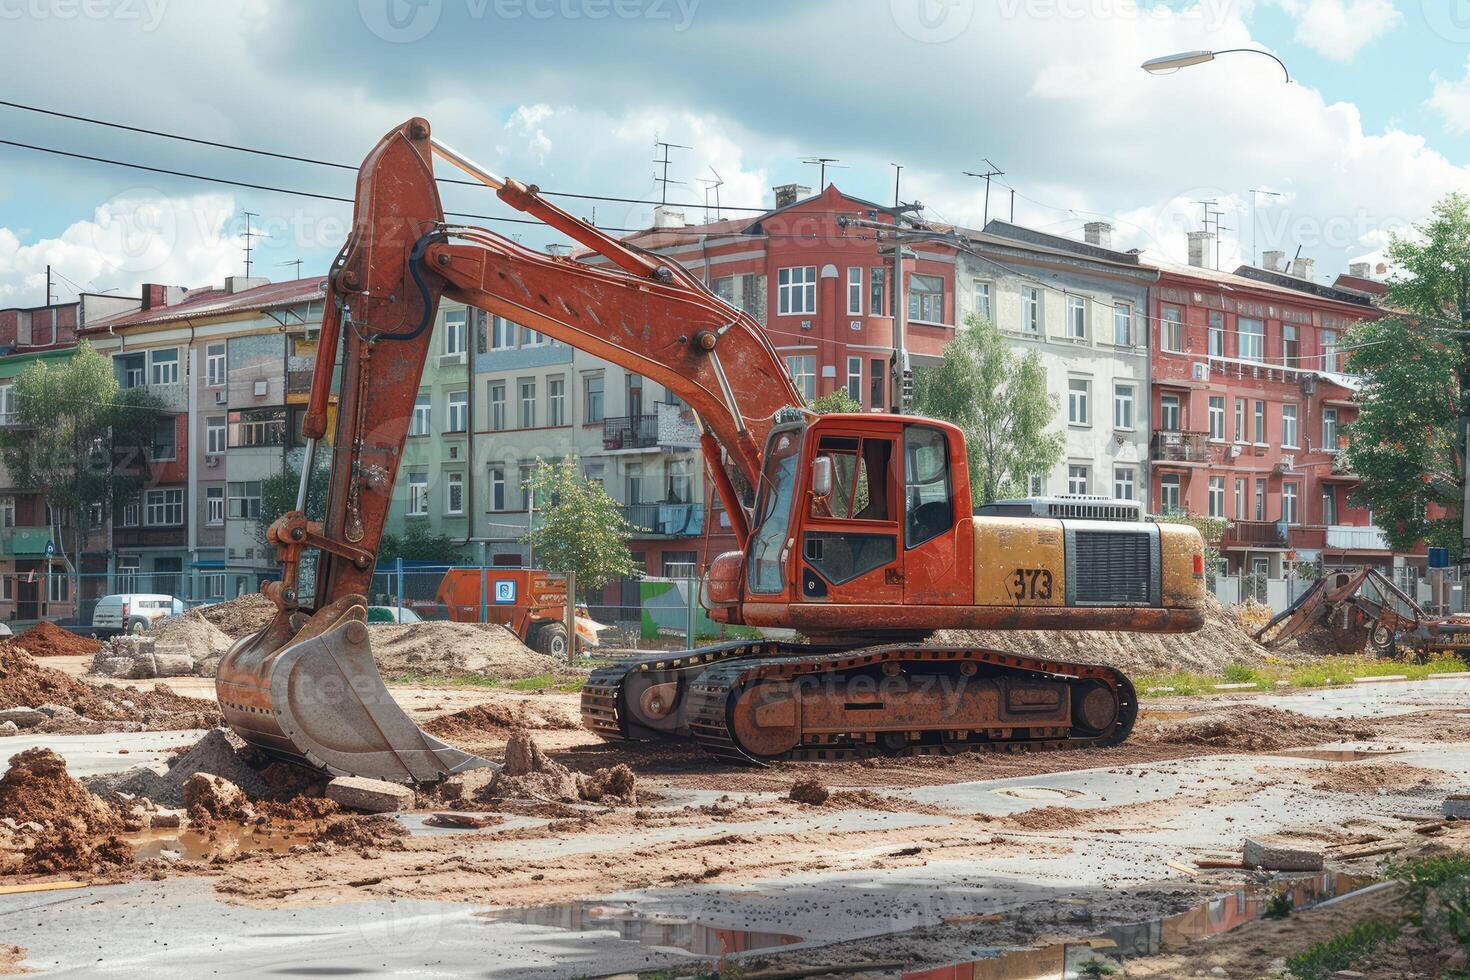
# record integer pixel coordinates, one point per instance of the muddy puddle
(1065, 961)
(229, 841)
(1338, 755)
(668, 931)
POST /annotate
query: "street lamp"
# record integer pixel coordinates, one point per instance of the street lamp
(1170, 63)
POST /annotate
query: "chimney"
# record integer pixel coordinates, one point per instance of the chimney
(1272, 261)
(667, 216)
(1360, 270)
(1099, 233)
(154, 295)
(1302, 268)
(788, 194)
(238, 284)
(1201, 249)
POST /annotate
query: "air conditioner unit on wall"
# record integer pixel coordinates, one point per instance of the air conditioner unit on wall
(1287, 464)
(211, 461)
(1231, 452)
(220, 397)
(1201, 371)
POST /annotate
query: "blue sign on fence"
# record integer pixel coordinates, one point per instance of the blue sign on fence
(1439, 558)
(505, 592)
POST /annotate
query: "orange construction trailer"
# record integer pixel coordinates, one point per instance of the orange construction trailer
(529, 601)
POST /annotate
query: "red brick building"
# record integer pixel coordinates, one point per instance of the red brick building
(1248, 402)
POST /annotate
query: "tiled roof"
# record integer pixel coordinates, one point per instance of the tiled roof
(215, 301)
(1277, 284)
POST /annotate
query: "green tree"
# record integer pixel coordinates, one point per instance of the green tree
(999, 399)
(583, 530)
(1406, 444)
(834, 401)
(80, 441)
(419, 543)
(278, 495)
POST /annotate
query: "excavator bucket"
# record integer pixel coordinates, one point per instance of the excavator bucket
(307, 691)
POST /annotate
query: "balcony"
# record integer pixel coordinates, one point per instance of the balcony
(148, 537)
(1343, 538)
(24, 542)
(1172, 446)
(630, 432)
(666, 518)
(1254, 534)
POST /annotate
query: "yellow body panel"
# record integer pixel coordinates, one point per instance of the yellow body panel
(1019, 561)
(1178, 545)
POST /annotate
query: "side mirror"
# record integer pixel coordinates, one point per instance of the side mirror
(822, 476)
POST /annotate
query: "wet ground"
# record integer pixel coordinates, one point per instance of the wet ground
(1026, 865)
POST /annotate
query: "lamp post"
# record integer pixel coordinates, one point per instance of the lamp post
(1170, 63)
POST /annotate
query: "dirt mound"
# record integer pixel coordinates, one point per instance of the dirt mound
(1253, 729)
(364, 832)
(46, 639)
(24, 683)
(605, 785)
(810, 791)
(238, 617)
(528, 774)
(1368, 776)
(498, 718)
(1223, 640)
(194, 634)
(489, 650)
(58, 825)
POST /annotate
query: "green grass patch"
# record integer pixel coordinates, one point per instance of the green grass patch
(1421, 874)
(1326, 672)
(1342, 951)
(539, 682)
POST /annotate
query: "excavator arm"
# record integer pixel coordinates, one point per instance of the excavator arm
(306, 687)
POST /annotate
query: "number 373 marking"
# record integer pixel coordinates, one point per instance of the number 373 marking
(1030, 583)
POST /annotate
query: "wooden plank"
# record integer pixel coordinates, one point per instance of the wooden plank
(40, 886)
(1182, 868)
(1371, 851)
(1219, 863)
(951, 920)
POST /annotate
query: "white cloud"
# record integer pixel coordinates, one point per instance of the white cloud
(1451, 99)
(1339, 29)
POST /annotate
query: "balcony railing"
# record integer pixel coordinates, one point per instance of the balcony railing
(298, 382)
(630, 432)
(668, 518)
(175, 397)
(1356, 538)
(1255, 534)
(1172, 446)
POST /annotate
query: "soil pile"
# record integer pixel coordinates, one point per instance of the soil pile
(53, 824)
(810, 791)
(202, 640)
(1369, 776)
(528, 774)
(49, 640)
(1223, 640)
(24, 683)
(239, 617)
(1253, 729)
(486, 649)
(497, 719)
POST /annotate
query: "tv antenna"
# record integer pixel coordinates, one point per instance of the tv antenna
(991, 170)
(297, 263)
(712, 186)
(666, 180)
(249, 235)
(1256, 192)
(824, 163)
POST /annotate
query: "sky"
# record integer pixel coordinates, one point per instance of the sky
(573, 94)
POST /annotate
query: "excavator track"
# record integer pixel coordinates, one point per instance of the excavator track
(747, 703)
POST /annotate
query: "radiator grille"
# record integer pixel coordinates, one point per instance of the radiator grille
(1112, 568)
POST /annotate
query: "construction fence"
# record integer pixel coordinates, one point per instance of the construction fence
(1281, 592)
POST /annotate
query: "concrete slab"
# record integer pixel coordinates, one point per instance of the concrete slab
(91, 755)
(1372, 700)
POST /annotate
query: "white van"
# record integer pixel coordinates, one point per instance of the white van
(134, 611)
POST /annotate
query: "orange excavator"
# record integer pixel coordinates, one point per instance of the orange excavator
(855, 530)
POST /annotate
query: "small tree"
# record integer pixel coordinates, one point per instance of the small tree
(999, 399)
(1406, 444)
(278, 495)
(835, 401)
(583, 529)
(419, 543)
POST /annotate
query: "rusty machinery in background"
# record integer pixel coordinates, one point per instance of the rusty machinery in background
(856, 530)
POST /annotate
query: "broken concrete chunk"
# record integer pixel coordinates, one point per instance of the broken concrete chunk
(211, 797)
(218, 753)
(1282, 854)
(369, 795)
(56, 711)
(467, 785)
(165, 819)
(460, 819)
(1457, 807)
(9, 728)
(22, 717)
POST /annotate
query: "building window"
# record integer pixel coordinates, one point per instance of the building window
(1289, 347)
(1329, 429)
(127, 573)
(877, 387)
(163, 366)
(1035, 485)
(803, 371)
(680, 481)
(1288, 426)
(926, 298)
(592, 397)
(165, 439)
(502, 334)
(1076, 318)
(1169, 413)
(132, 514)
(1329, 505)
(1242, 498)
(796, 290)
(214, 365)
(7, 512)
(418, 494)
(1122, 324)
(1252, 337)
(1260, 500)
(58, 588)
(165, 508)
(497, 488)
(244, 500)
(1123, 406)
(982, 299)
(1329, 351)
(1217, 417)
(1079, 393)
(1288, 502)
(1171, 330)
(422, 422)
(1077, 480)
(214, 505)
(259, 427)
(1260, 422)
(497, 405)
(213, 585)
(633, 477)
(1169, 495)
(854, 290)
(877, 280)
(454, 332)
(214, 435)
(1030, 310)
(528, 403)
(7, 405)
(1123, 482)
(1217, 334)
(457, 412)
(556, 401)
(855, 380)
(1216, 500)
(454, 494)
(1240, 420)
(594, 472)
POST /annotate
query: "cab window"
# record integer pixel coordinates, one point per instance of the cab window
(859, 479)
(928, 508)
(767, 571)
